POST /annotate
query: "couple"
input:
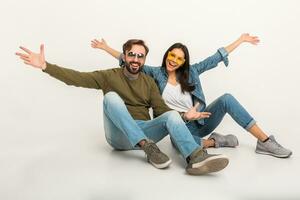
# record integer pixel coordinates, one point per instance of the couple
(128, 95)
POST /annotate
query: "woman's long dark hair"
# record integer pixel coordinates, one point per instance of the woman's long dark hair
(182, 73)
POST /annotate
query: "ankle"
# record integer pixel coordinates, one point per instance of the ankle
(208, 143)
(265, 140)
(142, 143)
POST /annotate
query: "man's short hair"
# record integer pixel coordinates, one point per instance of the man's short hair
(128, 45)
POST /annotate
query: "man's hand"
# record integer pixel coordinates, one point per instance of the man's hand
(34, 59)
(192, 114)
(99, 44)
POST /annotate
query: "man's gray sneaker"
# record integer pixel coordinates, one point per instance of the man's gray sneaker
(273, 148)
(200, 162)
(154, 156)
(224, 140)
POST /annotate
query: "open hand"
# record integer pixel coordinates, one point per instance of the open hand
(246, 37)
(192, 114)
(99, 44)
(34, 59)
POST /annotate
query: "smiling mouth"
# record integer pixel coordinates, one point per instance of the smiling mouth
(172, 64)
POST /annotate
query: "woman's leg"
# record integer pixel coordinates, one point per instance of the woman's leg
(228, 104)
(225, 104)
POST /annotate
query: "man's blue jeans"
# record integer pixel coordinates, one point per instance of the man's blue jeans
(122, 132)
(224, 104)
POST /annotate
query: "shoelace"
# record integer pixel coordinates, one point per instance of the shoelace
(277, 144)
(152, 149)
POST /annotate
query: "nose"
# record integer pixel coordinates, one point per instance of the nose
(135, 59)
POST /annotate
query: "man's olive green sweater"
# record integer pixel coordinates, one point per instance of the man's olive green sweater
(138, 95)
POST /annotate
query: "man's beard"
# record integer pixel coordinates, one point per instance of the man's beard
(131, 69)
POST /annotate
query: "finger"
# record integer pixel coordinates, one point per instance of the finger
(206, 113)
(202, 116)
(42, 50)
(25, 59)
(21, 54)
(96, 41)
(25, 49)
(93, 45)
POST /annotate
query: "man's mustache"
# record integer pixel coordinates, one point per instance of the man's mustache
(138, 63)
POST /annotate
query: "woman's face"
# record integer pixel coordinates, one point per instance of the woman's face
(175, 59)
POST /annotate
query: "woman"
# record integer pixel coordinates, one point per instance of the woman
(180, 86)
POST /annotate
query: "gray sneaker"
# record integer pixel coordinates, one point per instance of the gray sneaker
(273, 148)
(154, 156)
(202, 163)
(224, 140)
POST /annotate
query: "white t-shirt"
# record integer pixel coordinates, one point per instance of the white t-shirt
(177, 100)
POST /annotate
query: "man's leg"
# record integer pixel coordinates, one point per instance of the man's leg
(199, 162)
(123, 133)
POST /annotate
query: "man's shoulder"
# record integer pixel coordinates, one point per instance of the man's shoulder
(147, 78)
(110, 71)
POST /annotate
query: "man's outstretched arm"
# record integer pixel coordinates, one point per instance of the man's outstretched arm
(70, 77)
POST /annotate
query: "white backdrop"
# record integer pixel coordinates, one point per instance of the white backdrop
(264, 78)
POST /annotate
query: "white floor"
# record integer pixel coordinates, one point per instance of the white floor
(77, 163)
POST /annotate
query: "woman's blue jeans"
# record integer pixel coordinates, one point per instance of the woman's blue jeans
(222, 105)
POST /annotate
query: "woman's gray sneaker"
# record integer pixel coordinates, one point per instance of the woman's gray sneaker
(224, 140)
(273, 148)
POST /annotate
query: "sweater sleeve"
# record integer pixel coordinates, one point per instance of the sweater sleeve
(95, 80)
(157, 103)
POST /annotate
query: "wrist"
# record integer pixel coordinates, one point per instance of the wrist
(240, 40)
(44, 66)
(183, 117)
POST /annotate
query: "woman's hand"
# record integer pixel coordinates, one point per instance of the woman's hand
(96, 44)
(246, 37)
(192, 114)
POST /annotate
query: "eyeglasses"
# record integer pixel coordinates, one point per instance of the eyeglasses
(139, 56)
(172, 56)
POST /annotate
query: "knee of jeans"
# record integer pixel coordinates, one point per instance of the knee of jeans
(111, 97)
(174, 116)
(227, 98)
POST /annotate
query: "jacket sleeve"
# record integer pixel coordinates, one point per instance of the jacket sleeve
(212, 61)
(95, 80)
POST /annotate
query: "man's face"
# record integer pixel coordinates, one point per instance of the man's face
(135, 59)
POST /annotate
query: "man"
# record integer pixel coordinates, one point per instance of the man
(128, 95)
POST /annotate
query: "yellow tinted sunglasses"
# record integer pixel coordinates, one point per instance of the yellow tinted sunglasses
(173, 57)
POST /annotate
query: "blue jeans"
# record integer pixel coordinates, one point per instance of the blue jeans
(122, 132)
(224, 104)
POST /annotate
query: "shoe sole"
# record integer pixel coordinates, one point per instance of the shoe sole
(162, 165)
(272, 154)
(210, 165)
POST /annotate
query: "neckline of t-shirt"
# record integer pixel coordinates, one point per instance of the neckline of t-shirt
(174, 86)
